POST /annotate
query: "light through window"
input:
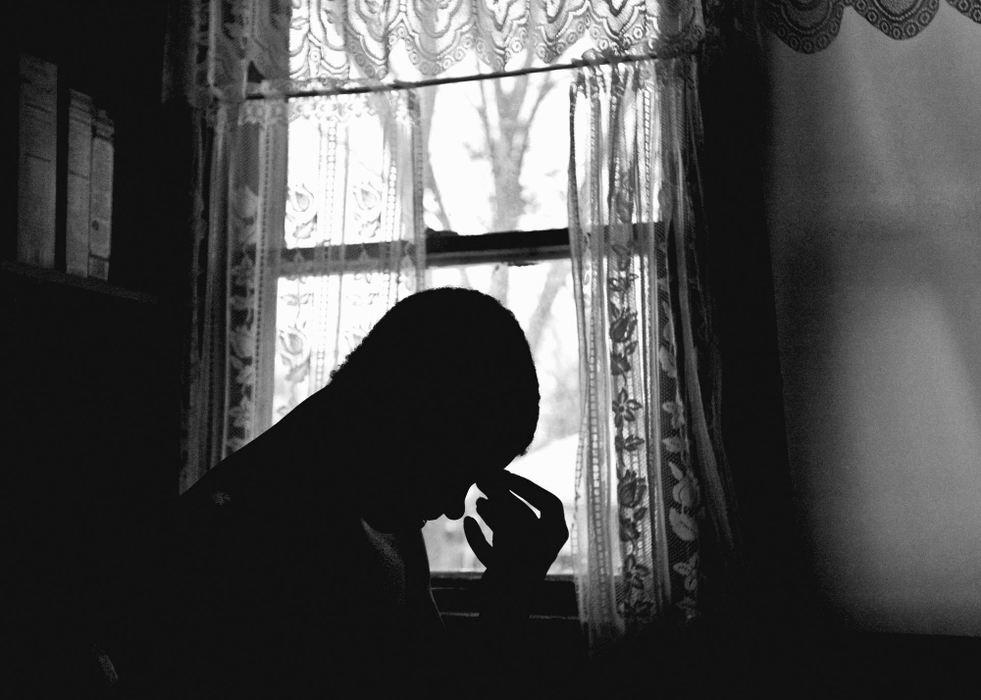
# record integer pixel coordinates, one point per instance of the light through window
(495, 159)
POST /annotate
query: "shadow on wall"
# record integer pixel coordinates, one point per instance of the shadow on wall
(881, 353)
(872, 208)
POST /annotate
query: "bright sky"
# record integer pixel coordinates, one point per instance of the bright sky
(465, 181)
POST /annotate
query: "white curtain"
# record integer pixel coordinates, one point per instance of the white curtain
(406, 39)
(354, 239)
(241, 187)
(227, 49)
(650, 491)
(311, 201)
(271, 269)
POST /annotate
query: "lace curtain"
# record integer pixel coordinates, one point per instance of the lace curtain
(649, 485)
(240, 187)
(228, 49)
(811, 26)
(408, 38)
(354, 239)
(286, 229)
(277, 220)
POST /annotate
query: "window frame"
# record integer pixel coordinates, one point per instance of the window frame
(443, 248)
(457, 596)
(456, 592)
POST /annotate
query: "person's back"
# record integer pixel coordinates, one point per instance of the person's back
(259, 589)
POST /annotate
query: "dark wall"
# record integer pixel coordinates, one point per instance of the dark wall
(104, 357)
(733, 100)
(91, 378)
(90, 447)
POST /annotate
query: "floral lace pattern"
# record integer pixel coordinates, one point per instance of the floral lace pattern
(256, 165)
(268, 321)
(344, 40)
(235, 48)
(810, 26)
(354, 226)
(640, 510)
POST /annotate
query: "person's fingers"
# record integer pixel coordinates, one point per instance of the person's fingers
(493, 484)
(544, 500)
(488, 512)
(504, 510)
(478, 543)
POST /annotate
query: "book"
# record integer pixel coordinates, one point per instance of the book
(37, 154)
(100, 199)
(78, 182)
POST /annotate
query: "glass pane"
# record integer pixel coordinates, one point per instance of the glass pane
(540, 296)
(349, 169)
(315, 332)
(498, 153)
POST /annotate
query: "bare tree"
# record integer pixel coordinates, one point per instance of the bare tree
(427, 100)
(506, 110)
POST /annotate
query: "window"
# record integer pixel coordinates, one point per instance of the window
(495, 159)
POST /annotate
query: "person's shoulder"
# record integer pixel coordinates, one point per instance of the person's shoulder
(229, 488)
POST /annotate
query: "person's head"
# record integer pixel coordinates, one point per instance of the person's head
(444, 391)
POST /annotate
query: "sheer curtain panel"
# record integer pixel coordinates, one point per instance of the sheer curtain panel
(238, 232)
(651, 488)
(298, 202)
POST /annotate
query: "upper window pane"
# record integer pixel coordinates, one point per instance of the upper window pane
(498, 153)
(493, 157)
(352, 170)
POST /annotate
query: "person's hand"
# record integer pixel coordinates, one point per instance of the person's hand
(525, 545)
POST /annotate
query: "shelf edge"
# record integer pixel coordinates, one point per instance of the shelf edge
(47, 276)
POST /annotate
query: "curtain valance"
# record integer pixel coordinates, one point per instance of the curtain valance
(230, 49)
(811, 25)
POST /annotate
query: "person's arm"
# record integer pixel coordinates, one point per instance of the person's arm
(524, 547)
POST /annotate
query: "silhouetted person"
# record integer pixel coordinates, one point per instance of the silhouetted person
(296, 567)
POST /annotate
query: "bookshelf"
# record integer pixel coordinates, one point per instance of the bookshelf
(90, 368)
(65, 169)
(111, 52)
(32, 274)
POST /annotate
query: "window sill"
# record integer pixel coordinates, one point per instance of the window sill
(457, 595)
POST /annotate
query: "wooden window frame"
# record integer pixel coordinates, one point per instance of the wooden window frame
(457, 595)
(443, 249)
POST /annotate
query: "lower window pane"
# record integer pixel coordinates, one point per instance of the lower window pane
(320, 319)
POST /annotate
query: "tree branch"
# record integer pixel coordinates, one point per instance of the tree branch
(428, 100)
(554, 282)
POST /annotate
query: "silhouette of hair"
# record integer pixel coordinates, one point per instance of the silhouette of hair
(451, 359)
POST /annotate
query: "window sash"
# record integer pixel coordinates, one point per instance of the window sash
(443, 248)
(458, 594)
